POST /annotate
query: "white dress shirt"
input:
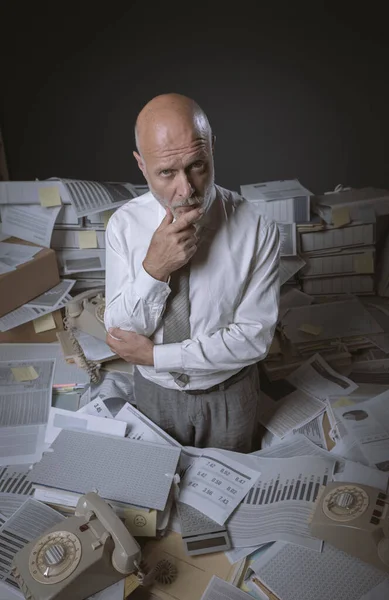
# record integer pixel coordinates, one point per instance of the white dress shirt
(234, 289)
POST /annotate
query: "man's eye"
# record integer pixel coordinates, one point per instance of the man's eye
(166, 172)
(197, 165)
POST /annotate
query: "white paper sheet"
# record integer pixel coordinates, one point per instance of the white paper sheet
(26, 192)
(357, 473)
(215, 485)
(24, 409)
(64, 419)
(217, 589)
(14, 255)
(314, 431)
(293, 298)
(64, 373)
(32, 223)
(113, 592)
(288, 239)
(274, 190)
(142, 428)
(30, 521)
(334, 320)
(13, 480)
(289, 267)
(4, 268)
(316, 378)
(279, 505)
(93, 348)
(368, 424)
(27, 313)
(296, 573)
(89, 197)
(290, 412)
(54, 297)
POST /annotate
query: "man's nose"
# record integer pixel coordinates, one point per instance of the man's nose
(185, 188)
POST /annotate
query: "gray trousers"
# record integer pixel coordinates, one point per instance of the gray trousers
(220, 419)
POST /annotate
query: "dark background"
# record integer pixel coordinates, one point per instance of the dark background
(289, 93)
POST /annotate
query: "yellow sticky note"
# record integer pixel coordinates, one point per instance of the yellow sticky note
(312, 329)
(141, 523)
(107, 214)
(24, 373)
(364, 263)
(130, 584)
(87, 239)
(342, 401)
(340, 216)
(44, 323)
(49, 196)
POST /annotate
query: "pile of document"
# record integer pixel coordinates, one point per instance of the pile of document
(70, 216)
(255, 508)
(328, 243)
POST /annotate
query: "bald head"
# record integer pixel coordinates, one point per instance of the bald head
(169, 117)
(175, 152)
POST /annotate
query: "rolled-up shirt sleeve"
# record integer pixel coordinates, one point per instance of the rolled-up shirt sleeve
(247, 339)
(135, 301)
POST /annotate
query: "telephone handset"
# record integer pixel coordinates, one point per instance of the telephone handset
(126, 548)
(79, 556)
(354, 518)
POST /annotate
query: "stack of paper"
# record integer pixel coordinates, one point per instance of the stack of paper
(70, 216)
(288, 204)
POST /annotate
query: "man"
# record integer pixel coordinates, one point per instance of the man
(192, 285)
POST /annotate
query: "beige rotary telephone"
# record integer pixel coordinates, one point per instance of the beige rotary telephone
(354, 518)
(79, 556)
(86, 312)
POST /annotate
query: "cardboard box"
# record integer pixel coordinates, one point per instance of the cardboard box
(25, 334)
(29, 279)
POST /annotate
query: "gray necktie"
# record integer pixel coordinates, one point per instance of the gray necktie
(176, 326)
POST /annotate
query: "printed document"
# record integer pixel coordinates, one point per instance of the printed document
(288, 239)
(89, 197)
(29, 312)
(64, 373)
(333, 320)
(289, 267)
(217, 589)
(25, 398)
(30, 521)
(283, 408)
(368, 424)
(65, 419)
(317, 378)
(279, 505)
(297, 573)
(274, 190)
(142, 428)
(215, 485)
(54, 297)
(32, 223)
(13, 255)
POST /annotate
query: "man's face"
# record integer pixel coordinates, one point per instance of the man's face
(179, 170)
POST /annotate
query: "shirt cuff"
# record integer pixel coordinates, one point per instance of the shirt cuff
(167, 357)
(150, 289)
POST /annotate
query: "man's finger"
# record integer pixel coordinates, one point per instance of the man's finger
(168, 218)
(114, 332)
(187, 219)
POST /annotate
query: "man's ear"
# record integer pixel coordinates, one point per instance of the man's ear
(213, 143)
(140, 162)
